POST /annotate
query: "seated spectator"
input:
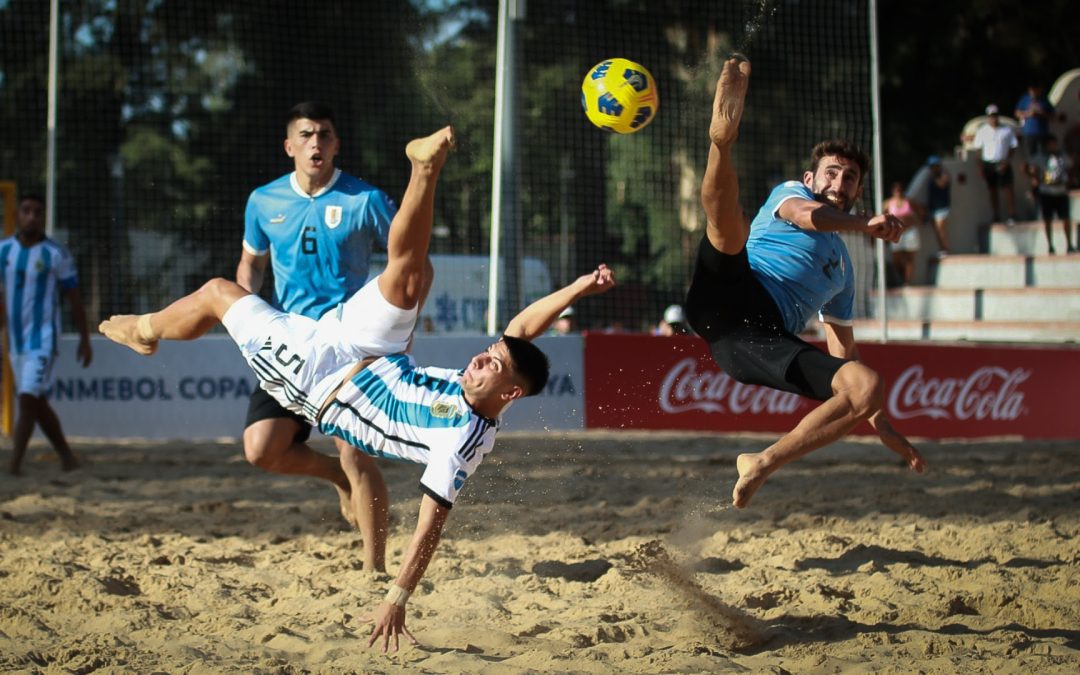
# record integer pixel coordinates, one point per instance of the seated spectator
(673, 322)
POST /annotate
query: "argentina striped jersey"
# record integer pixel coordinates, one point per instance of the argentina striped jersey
(33, 277)
(395, 409)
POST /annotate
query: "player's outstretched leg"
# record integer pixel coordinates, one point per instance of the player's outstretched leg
(410, 231)
(726, 227)
(186, 319)
(729, 101)
(407, 272)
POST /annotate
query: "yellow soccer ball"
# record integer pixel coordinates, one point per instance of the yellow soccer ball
(619, 95)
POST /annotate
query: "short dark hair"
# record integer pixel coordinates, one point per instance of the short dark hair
(839, 147)
(33, 197)
(529, 362)
(309, 110)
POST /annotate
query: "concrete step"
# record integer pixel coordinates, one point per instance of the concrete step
(1055, 271)
(1026, 238)
(971, 331)
(927, 303)
(1008, 271)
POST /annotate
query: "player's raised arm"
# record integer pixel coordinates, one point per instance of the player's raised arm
(537, 317)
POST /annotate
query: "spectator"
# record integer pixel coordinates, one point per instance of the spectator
(932, 194)
(1034, 111)
(903, 251)
(996, 143)
(673, 323)
(565, 324)
(1049, 171)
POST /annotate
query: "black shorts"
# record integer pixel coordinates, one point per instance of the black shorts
(729, 307)
(997, 176)
(1054, 204)
(263, 406)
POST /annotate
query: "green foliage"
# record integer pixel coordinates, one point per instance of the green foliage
(171, 113)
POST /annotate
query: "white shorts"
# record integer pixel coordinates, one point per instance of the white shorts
(909, 240)
(300, 361)
(32, 372)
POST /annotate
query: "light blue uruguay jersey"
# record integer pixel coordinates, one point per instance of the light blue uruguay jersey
(395, 409)
(33, 277)
(319, 245)
(805, 272)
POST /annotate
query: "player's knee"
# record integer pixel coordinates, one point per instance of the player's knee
(264, 444)
(217, 288)
(863, 388)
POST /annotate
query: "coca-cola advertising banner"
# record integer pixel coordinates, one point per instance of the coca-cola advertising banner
(932, 391)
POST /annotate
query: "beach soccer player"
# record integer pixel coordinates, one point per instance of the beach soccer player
(756, 285)
(315, 228)
(346, 373)
(35, 273)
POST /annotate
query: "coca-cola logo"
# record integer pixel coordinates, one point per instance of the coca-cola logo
(714, 391)
(989, 392)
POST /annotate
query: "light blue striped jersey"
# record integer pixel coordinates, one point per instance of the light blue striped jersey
(805, 272)
(395, 409)
(33, 278)
(319, 245)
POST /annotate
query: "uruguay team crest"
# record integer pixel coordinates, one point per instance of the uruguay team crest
(332, 217)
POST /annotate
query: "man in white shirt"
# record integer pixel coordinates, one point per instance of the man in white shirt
(996, 143)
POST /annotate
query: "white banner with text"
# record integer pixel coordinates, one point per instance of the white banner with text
(199, 390)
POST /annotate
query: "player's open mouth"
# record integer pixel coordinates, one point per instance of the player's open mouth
(317, 160)
(835, 198)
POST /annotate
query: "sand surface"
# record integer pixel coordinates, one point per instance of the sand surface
(592, 553)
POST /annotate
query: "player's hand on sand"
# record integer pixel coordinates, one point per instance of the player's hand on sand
(896, 442)
(885, 226)
(600, 280)
(389, 623)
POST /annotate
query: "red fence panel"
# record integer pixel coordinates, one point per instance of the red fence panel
(932, 391)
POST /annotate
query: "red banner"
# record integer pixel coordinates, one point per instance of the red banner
(932, 391)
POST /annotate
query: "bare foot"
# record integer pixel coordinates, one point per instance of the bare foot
(729, 100)
(432, 149)
(345, 501)
(751, 477)
(913, 459)
(901, 446)
(122, 328)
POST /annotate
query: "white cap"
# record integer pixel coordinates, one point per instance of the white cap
(991, 109)
(568, 312)
(674, 314)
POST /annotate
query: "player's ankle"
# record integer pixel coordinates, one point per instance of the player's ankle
(144, 330)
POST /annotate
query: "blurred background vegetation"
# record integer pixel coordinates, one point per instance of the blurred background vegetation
(170, 113)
